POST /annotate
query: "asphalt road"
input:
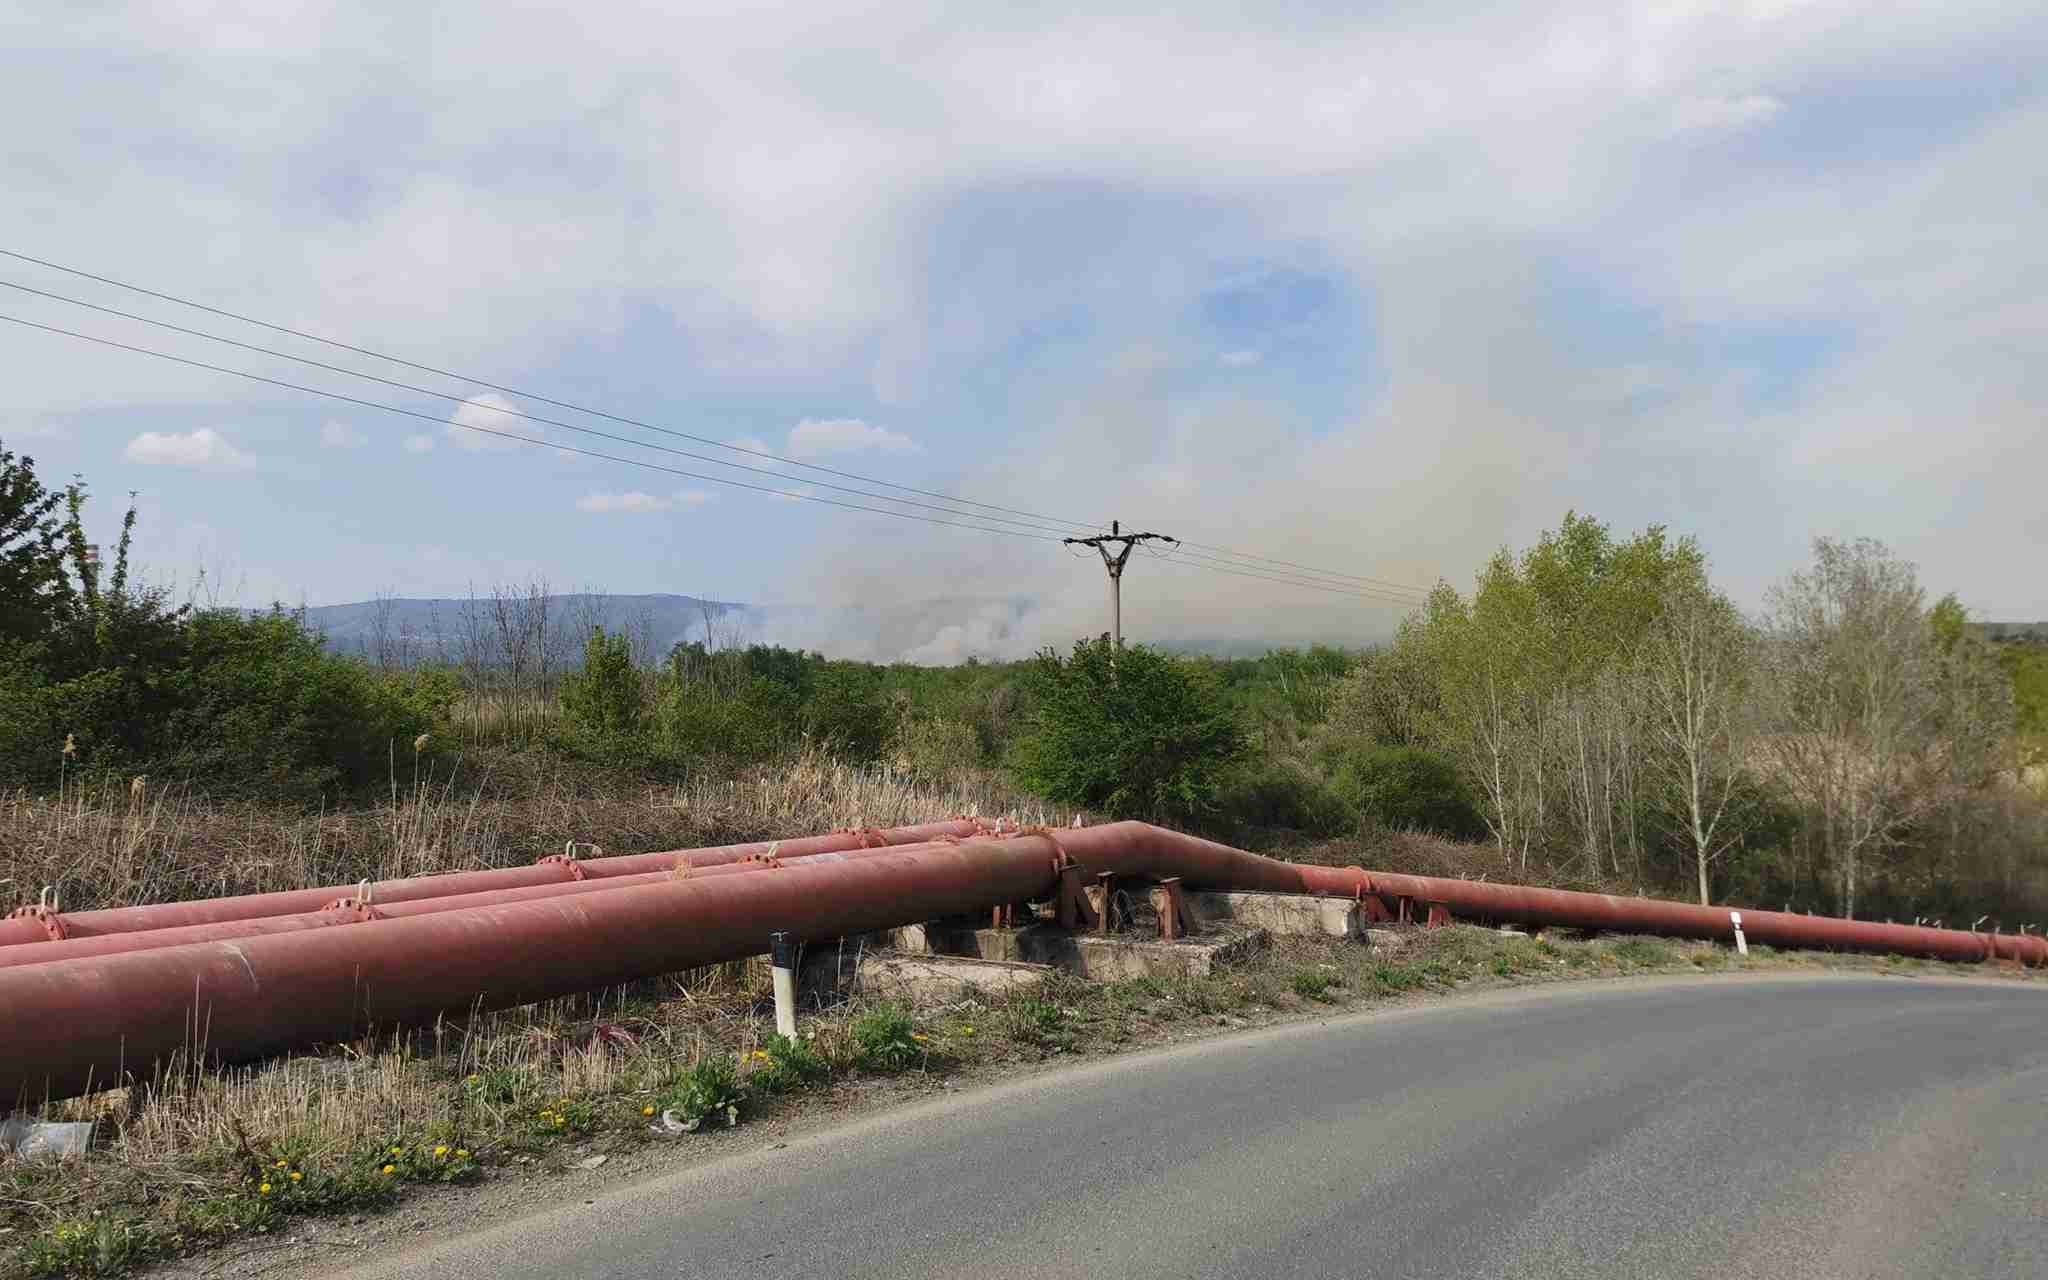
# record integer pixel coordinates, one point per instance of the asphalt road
(1729, 1128)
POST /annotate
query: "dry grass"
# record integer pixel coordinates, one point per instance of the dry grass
(115, 844)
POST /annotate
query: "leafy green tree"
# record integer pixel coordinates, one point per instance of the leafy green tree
(847, 712)
(33, 585)
(604, 702)
(1854, 709)
(1150, 736)
(1695, 668)
(1527, 701)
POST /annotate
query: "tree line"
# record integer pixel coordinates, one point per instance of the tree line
(1594, 709)
(1851, 747)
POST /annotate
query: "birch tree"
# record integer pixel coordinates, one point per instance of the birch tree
(1693, 669)
(1850, 665)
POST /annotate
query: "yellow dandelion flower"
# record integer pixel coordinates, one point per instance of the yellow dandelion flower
(461, 1153)
(440, 1152)
(297, 1176)
(761, 1054)
(967, 1031)
(919, 1036)
(279, 1165)
(390, 1169)
(397, 1151)
(264, 1189)
(473, 1079)
(560, 1121)
(647, 1111)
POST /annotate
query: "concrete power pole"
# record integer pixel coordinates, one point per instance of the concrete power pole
(1114, 562)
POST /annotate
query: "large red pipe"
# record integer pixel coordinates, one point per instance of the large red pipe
(80, 1024)
(351, 911)
(29, 925)
(1685, 920)
(67, 1024)
(1134, 848)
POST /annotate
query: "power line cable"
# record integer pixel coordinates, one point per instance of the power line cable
(1349, 592)
(1068, 524)
(1290, 564)
(507, 435)
(516, 413)
(1406, 595)
(609, 457)
(529, 395)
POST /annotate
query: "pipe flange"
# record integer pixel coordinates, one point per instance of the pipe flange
(352, 911)
(566, 862)
(44, 915)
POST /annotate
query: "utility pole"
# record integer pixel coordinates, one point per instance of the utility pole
(1115, 564)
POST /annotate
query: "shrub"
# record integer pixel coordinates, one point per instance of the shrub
(709, 1089)
(1034, 1021)
(604, 702)
(931, 747)
(790, 1064)
(887, 1038)
(256, 701)
(1151, 737)
(1311, 985)
(1406, 788)
(1391, 979)
(847, 712)
(1277, 794)
(696, 722)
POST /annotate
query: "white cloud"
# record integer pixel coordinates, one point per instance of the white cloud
(419, 444)
(1241, 359)
(757, 445)
(340, 435)
(202, 448)
(489, 412)
(610, 503)
(695, 497)
(1696, 115)
(817, 437)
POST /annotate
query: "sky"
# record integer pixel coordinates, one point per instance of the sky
(1375, 289)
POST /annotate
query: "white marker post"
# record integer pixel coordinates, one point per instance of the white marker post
(783, 956)
(1741, 944)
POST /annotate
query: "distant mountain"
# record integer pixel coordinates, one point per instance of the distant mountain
(409, 630)
(2019, 632)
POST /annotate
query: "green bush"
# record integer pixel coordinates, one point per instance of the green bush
(604, 702)
(258, 704)
(696, 722)
(244, 704)
(1391, 979)
(932, 747)
(1406, 788)
(887, 1037)
(1033, 1020)
(1311, 985)
(791, 1064)
(709, 1090)
(1281, 795)
(847, 712)
(1151, 736)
